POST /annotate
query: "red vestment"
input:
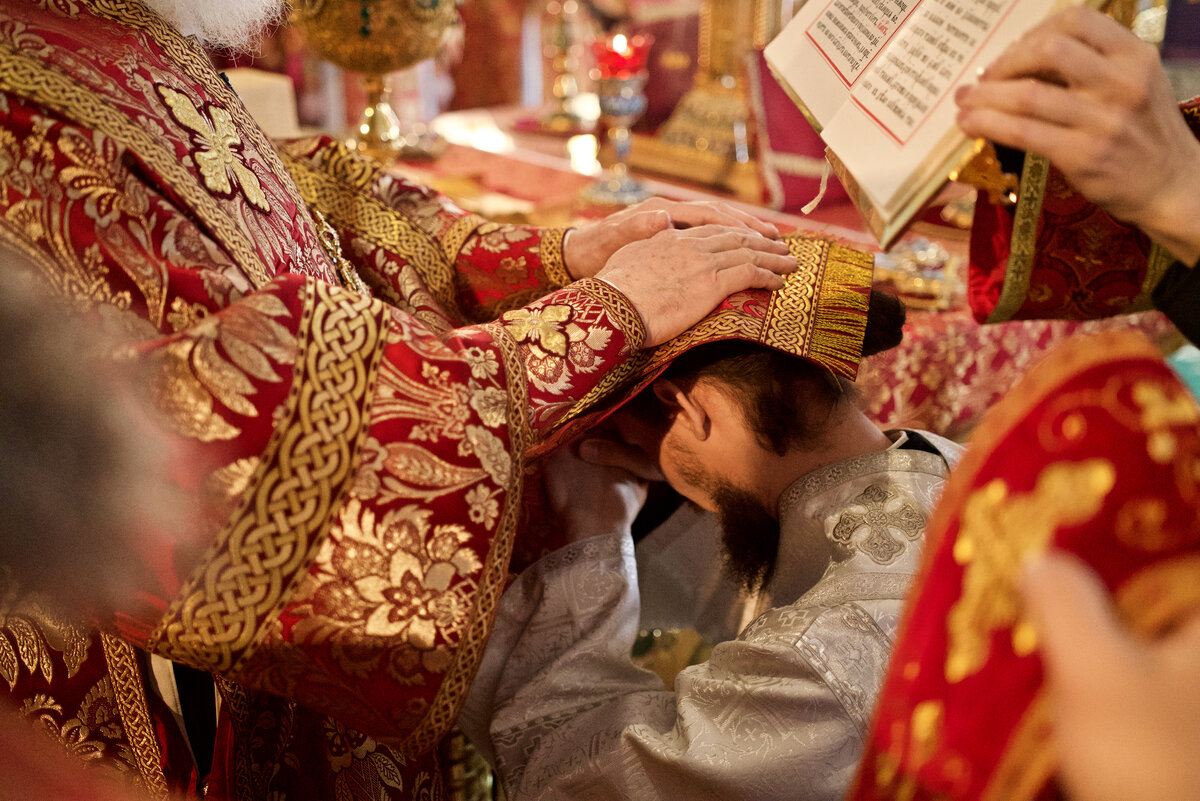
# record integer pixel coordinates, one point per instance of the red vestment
(357, 455)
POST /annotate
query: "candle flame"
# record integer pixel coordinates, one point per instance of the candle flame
(619, 43)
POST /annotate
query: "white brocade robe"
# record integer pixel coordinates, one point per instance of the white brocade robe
(778, 713)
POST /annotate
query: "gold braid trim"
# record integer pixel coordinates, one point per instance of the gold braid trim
(129, 692)
(379, 224)
(1158, 261)
(550, 253)
(820, 314)
(251, 571)
(447, 702)
(1022, 247)
(33, 79)
(192, 59)
(619, 308)
(454, 239)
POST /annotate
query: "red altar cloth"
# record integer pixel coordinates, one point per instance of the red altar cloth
(950, 369)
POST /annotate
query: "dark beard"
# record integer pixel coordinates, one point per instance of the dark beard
(750, 535)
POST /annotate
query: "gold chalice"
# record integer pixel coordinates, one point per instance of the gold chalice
(375, 38)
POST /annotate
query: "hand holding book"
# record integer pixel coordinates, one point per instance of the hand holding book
(876, 77)
(1085, 93)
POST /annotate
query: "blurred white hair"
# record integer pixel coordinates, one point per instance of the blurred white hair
(232, 25)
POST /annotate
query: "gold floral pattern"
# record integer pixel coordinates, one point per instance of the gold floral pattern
(219, 360)
(29, 630)
(1000, 532)
(218, 146)
(542, 327)
(399, 576)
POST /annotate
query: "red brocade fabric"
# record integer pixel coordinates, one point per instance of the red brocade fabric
(1096, 452)
(1071, 261)
(356, 370)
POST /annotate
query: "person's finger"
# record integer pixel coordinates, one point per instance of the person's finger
(1076, 624)
(608, 453)
(1048, 102)
(713, 239)
(1023, 133)
(645, 224)
(776, 263)
(747, 276)
(704, 213)
(1053, 58)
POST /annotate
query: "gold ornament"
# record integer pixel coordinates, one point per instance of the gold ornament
(374, 38)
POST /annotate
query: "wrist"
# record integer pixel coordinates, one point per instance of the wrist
(569, 257)
(1173, 219)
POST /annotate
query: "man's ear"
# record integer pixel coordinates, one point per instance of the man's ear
(689, 407)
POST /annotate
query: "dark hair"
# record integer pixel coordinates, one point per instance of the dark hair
(786, 400)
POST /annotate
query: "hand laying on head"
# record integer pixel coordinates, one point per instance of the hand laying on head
(591, 499)
(1125, 710)
(1092, 98)
(677, 276)
(587, 249)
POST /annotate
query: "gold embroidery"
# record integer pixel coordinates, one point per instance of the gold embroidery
(29, 630)
(130, 694)
(550, 254)
(73, 734)
(1159, 414)
(540, 327)
(913, 746)
(362, 768)
(452, 692)
(250, 572)
(215, 155)
(24, 75)
(333, 249)
(194, 62)
(999, 533)
(1019, 268)
(619, 308)
(379, 224)
(457, 235)
(192, 371)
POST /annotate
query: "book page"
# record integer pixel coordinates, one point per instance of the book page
(827, 46)
(900, 120)
(850, 33)
(924, 60)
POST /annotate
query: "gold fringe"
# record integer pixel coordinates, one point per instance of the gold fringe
(840, 319)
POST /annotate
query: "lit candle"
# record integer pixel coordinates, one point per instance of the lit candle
(621, 56)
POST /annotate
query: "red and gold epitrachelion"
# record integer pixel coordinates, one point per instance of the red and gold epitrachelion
(1056, 255)
(1096, 452)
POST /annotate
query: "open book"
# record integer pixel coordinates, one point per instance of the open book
(876, 78)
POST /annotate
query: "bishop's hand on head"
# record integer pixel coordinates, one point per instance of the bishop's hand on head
(587, 249)
(677, 276)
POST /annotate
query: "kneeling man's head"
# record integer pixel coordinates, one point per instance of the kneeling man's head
(732, 424)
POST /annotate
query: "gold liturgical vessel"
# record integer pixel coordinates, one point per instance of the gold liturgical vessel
(375, 38)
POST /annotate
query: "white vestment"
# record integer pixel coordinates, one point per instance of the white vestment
(778, 713)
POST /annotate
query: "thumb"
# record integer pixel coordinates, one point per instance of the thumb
(1074, 617)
